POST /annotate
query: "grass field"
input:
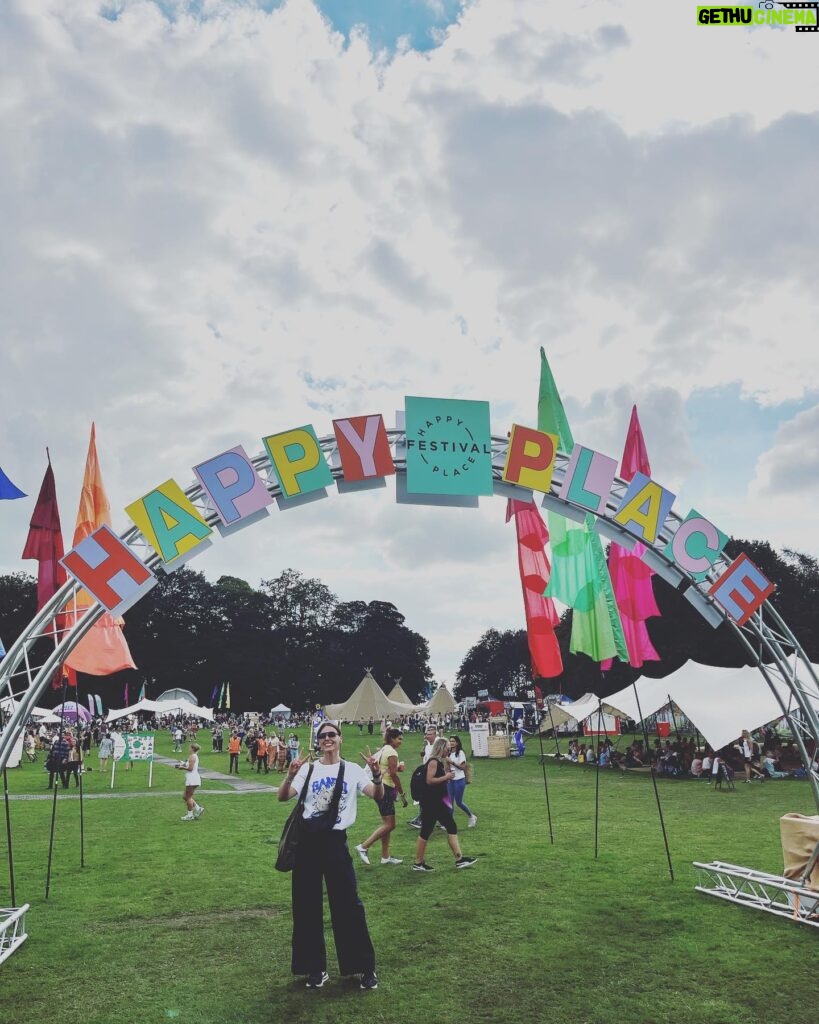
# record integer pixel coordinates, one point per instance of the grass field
(170, 920)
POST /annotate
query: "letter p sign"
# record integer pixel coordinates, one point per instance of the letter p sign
(107, 568)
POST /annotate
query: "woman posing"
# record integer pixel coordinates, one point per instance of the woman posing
(192, 783)
(388, 766)
(323, 857)
(434, 809)
(457, 784)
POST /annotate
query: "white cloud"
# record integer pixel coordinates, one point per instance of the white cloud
(219, 227)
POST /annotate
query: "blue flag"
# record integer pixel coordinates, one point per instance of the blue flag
(2, 650)
(7, 488)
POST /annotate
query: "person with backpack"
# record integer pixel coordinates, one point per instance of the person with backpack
(430, 735)
(429, 786)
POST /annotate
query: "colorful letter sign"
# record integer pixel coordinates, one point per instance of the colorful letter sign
(449, 446)
(109, 570)
(235, 488)
(363, 447)
(644, 508)
(170, 523)
(696, 545)
(297, 461)
(588, 479)
(530, 459)
(741, 589)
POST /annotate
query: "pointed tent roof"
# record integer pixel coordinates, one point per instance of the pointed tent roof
(441, 703)
(397, 694)
(368, 700)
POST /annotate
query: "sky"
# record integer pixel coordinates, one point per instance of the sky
(221, 220)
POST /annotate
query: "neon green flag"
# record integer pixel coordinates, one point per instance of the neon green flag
(580, 577)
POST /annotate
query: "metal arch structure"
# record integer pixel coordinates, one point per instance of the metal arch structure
(766, 638)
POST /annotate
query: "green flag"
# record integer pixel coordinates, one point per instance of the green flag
(580, 577)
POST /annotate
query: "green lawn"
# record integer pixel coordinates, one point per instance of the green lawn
(171, 920)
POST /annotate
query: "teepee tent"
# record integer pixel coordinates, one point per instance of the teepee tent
(441, 703)
(368, 700)
(397, 694)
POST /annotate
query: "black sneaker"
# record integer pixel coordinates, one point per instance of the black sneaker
(465, 862)
(415, 823)
(317, 980)
(423, 866)
(369, 980)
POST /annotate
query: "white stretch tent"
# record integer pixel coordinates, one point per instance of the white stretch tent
(720, 702)
(183, 707)
(132, 709)
(162, 707)
(281, 709)
(588, 706)
(10, 705)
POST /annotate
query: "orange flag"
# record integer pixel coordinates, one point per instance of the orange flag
(103, 649)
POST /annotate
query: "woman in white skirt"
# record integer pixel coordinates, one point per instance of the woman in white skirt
(192, 782)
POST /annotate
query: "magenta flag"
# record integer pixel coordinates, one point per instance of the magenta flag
(630, 576)
(541, 614)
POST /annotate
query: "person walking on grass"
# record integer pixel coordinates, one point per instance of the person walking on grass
(333, 786)
(234, 748)
(433, 809)
(192, 782)
(389, 767)
(457, 785)
(430, 735)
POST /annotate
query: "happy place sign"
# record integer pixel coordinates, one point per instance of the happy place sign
(448, 450)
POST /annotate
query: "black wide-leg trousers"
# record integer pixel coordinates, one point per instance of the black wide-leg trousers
(324, 857)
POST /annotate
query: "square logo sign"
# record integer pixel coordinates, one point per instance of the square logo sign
(449, 446)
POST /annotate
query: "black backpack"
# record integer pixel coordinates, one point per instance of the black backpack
(418, 783)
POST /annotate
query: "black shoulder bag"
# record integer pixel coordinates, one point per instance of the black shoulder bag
(292, 831)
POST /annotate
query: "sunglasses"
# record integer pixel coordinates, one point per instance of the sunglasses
(328, 736)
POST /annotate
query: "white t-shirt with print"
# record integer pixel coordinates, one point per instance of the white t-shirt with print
(322, 783)
(455, 760)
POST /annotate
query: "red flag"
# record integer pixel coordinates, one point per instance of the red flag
(45, 543)
(541, 614)
(45, 540)
(103, 649)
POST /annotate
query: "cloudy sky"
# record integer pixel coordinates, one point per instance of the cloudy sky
(222, 219)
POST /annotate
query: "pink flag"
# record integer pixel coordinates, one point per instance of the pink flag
(541, 614)
(630, 576)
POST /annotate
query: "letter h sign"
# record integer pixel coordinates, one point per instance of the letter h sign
(109, 570)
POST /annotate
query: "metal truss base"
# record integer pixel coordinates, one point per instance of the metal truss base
(755, 889)
(12, 930)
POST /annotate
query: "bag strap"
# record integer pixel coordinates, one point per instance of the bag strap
(303, 794)
(332, 810)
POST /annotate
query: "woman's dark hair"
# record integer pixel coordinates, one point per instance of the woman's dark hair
(392, 734)
(457, 741)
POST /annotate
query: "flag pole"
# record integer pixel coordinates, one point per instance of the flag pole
(654, 783)
(545, 781)
(57, 776)
(597, 778)
(80, 732)
(8, 822)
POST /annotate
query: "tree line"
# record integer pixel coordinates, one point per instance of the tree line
(289, 640)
